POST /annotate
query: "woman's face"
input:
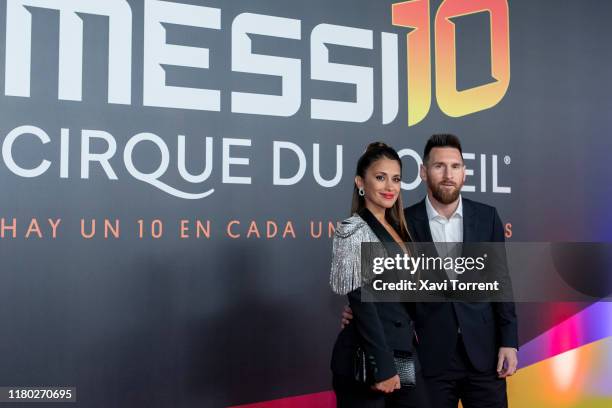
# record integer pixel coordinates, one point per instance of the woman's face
(381, 183)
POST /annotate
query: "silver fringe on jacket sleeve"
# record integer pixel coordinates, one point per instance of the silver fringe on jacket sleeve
(345, 273)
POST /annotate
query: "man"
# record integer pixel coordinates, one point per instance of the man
(466, 349)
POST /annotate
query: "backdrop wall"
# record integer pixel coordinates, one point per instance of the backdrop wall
(213, 143)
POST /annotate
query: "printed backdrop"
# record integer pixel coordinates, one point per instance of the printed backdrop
(171, 173)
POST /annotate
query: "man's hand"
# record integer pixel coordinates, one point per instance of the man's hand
(389, 385)
(347, 315)
(507, 360)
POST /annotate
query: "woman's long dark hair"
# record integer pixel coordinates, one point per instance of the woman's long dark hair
(394, 215)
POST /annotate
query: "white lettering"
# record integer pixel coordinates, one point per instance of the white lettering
(102, 158)
(289, 69)
(277, 179)
(228, 161)
(70, 81)
(157, 53)
(7, 151)
(321, 69)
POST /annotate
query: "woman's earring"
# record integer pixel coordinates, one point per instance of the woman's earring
(361, 191)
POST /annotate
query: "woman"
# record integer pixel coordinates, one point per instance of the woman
(381, 331)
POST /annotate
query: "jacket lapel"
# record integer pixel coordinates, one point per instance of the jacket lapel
(469, 222)
(421, 223)
(383, 235)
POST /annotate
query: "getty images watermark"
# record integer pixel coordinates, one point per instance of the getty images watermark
(486, 272)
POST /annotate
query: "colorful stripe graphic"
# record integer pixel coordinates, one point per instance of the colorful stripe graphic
(568, 366)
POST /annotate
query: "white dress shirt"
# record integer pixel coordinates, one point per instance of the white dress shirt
(445, 229)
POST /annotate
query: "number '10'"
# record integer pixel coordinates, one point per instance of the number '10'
(415, 14)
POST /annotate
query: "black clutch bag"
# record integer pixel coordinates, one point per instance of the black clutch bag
(404, 364)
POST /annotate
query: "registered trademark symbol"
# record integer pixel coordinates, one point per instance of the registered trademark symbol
(507, 159)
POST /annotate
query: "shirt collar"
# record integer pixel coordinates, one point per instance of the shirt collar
(433, 214)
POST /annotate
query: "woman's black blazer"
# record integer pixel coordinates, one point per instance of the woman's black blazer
(379, 328)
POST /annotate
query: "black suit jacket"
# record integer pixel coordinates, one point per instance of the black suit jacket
(380, 328)
(484, 326)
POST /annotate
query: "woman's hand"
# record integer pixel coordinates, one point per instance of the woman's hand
(389, 385)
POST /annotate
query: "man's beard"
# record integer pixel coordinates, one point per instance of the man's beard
(444, 195)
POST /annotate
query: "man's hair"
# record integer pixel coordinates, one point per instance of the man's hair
(441, 140)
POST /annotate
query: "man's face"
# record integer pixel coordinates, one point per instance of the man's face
(444, 174)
